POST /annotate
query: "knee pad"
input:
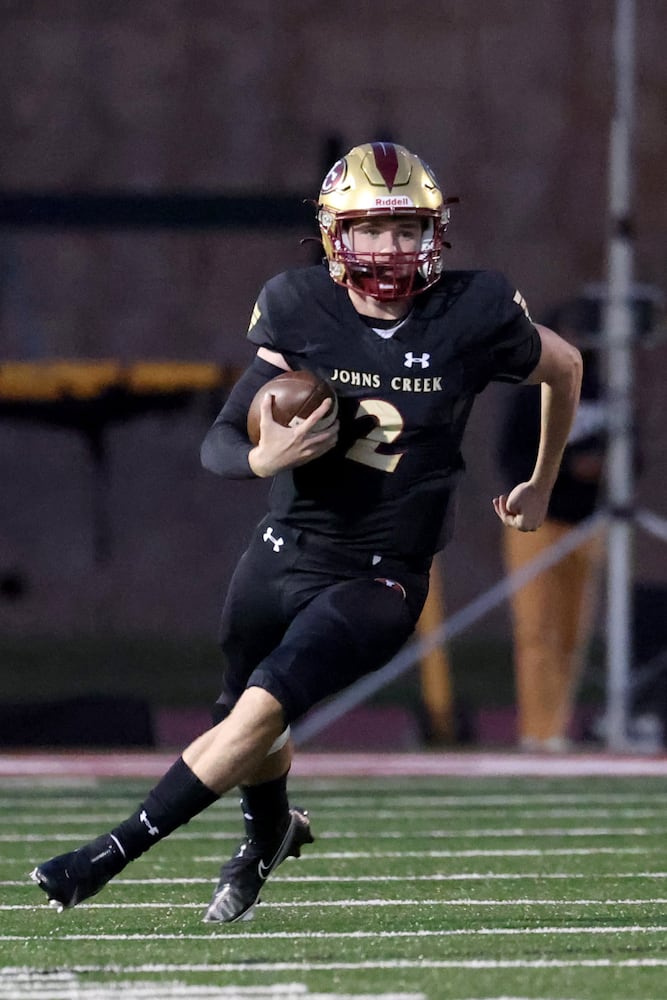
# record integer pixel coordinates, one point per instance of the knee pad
(280, 742)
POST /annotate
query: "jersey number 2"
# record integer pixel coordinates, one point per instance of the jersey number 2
(388, 427)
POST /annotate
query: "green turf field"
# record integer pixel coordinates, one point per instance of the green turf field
(414, 888)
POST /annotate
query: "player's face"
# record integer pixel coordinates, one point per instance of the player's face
(386, 235)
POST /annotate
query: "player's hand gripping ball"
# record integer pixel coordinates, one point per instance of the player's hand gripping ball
(295, 396)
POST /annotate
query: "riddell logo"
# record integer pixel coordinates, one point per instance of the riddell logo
(393, 202)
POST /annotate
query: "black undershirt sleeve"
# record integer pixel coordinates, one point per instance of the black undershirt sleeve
(226, 447)
(516, 346)
(517, 360)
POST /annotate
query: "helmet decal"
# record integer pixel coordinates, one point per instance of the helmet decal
(334, 177)
(386, 161)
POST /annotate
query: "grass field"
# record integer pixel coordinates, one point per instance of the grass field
(415, 888)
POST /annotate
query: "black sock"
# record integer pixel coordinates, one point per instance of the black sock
(176, 798)
(265, 809)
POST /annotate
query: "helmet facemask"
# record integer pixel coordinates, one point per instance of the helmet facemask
(388, 275)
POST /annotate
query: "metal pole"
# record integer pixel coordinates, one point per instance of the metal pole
(619, 336)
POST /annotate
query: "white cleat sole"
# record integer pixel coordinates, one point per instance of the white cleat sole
(248, 915)
(53, 903)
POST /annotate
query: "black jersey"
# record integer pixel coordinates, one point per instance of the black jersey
(404, 402)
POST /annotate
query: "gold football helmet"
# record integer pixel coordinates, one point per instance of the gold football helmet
(382, 178)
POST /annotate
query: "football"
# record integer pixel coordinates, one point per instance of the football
(295, 396)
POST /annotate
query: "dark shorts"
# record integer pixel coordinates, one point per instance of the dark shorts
(303, 619)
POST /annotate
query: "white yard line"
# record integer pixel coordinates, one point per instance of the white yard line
(347, 903)
(468, 834)
(66, 985)
(351, 935)
(433, 812)
(419, 963)
(355, 879)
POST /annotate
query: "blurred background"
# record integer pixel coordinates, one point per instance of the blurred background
(154, 163)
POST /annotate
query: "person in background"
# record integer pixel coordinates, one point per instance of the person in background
(552, 615)
(437, 700)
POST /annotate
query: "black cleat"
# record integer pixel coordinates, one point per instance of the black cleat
(70, 878)
(243, 876)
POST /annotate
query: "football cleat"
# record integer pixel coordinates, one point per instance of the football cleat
(70, 878)
(243, 876)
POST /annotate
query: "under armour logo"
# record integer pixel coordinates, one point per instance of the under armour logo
(268, 536)
(423, 360)
(143, 818)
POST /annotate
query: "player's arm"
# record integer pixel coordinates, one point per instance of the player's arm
(559, 371)
(226, 447)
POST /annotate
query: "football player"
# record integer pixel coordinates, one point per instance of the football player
(336, 574)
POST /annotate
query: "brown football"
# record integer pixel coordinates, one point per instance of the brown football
(295, 396)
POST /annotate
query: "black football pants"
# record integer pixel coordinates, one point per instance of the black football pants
(304, 619)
